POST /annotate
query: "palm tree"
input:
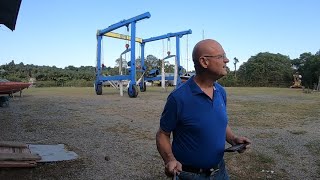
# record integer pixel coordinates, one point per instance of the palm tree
(235, 65)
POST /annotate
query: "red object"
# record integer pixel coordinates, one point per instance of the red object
(12, 87)
(127, 46)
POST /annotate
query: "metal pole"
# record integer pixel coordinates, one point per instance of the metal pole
(120, 72)
(187, 53)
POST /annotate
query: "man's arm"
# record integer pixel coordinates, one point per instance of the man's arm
(172, 166)
(164, 146)
(233, 139)
(230, 136)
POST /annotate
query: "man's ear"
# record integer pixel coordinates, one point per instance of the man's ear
(203, 62)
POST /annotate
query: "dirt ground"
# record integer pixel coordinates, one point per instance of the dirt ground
(115, 136)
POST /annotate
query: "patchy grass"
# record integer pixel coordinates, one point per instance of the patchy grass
(298, 132)
(281, 150)
(314, 148)
(80, 91)
(265, 135)
(134, 133)
(252, 165)
(78, 116)
(318, 169)
(272, 107)
(47, 170)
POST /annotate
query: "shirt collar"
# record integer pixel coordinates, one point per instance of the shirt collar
(195, 89)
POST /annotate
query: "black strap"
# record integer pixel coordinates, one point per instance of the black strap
(199, 170)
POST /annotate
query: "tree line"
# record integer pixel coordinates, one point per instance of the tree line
(275, 70)
(84, 76)
(262, 70)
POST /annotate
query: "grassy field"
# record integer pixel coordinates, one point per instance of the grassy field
(281, 120)
(282, 123)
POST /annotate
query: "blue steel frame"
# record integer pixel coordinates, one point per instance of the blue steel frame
(132, 22)
(178, 35)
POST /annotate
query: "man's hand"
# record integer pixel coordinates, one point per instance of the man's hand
(242, 140)
(173, 167)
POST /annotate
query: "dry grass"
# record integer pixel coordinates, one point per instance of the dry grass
(252, 165)
(273, 112)
(115, 136)
(314, 147)
(272, 107)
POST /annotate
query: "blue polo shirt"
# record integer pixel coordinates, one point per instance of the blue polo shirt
(198, 124)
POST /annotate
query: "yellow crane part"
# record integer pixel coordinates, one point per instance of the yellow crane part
(121, 36)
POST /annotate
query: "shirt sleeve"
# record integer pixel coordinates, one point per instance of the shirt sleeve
(169, 116)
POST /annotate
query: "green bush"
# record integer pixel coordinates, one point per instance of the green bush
(45, 84)
(79, 83)
(229, 81)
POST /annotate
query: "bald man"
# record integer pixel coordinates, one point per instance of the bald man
(195, 113)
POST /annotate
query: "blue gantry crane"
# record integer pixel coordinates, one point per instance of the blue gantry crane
(132, 87)
(178, 68)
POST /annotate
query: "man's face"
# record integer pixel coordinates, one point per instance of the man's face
(215, 60)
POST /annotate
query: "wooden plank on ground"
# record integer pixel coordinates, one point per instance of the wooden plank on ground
(13, 144)
(16, 154)
(18, 157)
(14, 150)
(5, 150)
(7, 164)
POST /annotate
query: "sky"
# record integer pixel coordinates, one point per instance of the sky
(62, 33)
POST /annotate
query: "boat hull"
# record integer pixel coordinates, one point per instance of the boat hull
(12, 87)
